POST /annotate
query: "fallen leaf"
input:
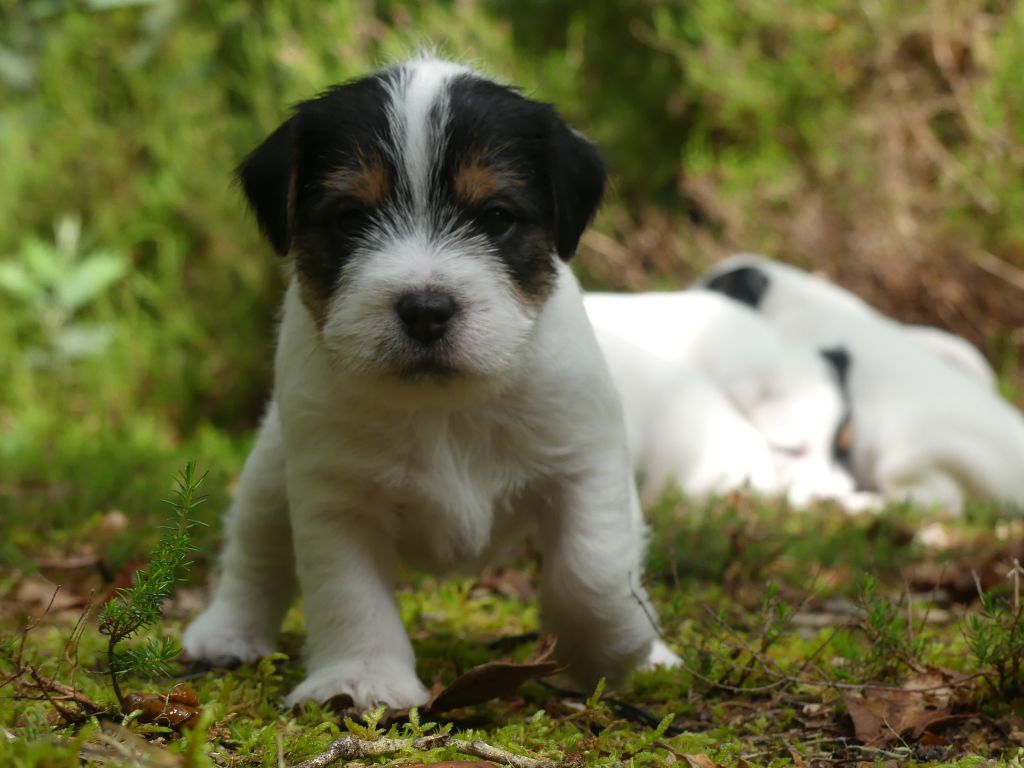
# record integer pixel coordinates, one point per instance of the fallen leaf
(883, 714)
(508, 582)
(179, 709)
(115, 744)
(699, 761)
(35, 595)
(496, 679)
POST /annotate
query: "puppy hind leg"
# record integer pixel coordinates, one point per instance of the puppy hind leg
(257, 581)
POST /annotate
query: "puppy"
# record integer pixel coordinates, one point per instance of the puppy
(716, 398)
(681, 427)
(438, 391)
(924, 428)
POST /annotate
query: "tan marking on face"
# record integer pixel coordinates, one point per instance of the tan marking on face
(476, 183)
(314, 301)
(369, 183)
(844, 440)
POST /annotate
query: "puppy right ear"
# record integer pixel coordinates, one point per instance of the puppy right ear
(744, 284)
(266, 178)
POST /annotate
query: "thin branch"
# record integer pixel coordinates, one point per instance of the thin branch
(352, 748)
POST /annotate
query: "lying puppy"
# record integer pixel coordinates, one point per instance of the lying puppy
(682, 428)
(925, 429)
(955, 351)
(438, 390)
(715, 397)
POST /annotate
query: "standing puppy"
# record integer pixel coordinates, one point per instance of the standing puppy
(438, 390)
(927, 425)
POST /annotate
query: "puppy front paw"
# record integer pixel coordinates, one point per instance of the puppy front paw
(368, 682)
(661, 656)
(223, 637)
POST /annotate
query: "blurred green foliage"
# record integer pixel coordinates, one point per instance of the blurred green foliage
(835, 132)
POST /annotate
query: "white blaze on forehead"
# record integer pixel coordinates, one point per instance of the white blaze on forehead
(418, 92)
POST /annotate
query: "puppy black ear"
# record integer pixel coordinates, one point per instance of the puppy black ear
(840, 360)
(577, 185)
(744, 284)
(266, 177)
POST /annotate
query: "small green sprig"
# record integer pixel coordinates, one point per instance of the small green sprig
(141, 605)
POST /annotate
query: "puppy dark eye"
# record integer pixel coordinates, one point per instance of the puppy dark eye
(349, 218)
(497, 220)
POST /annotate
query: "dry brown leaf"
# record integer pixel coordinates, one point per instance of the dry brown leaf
(35, 594)
(508, 582)
(179, 709)
(115, 744)
(699, 761)
(882, 715)
(496, 679)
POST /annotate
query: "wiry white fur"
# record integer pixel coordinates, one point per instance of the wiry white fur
(681, 427)
(924, 429)
(357, 469)
(715, 398)
(365, 334)
(418, 108)
(956, 351)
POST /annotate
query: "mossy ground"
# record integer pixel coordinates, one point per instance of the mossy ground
(768, 607)
(881, 142)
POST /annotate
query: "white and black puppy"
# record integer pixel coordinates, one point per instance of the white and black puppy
(683, 430)
(438, 391)
(927, 425)
(715, 397)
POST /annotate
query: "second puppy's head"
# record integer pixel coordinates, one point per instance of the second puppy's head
(426, 209)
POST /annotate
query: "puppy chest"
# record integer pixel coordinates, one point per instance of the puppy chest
(450, 488)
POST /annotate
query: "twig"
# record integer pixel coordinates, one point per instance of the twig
(1004, 270)
(352, 748)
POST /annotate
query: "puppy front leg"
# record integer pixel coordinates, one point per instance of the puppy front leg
(257, 581)
(355, 641)
(592, 598)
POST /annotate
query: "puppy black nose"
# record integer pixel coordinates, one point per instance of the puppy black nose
(425, 314)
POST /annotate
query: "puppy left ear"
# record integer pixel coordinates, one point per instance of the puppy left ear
(839, 359)
(577, 184)
(266, 178)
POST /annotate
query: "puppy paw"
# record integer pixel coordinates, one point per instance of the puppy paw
(224, 638)
(661, 657)
(368, 682)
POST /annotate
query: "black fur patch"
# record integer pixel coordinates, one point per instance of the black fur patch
(548, 180)
(555, 178)
(840, 360)
(744, 284)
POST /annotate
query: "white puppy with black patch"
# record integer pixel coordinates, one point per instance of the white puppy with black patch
(927, 425)
(683, 430)
(438, 391)
(715, 398)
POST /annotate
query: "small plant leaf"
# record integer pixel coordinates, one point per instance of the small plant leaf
(89, 279)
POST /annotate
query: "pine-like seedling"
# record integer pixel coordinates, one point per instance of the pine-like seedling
(139, 606)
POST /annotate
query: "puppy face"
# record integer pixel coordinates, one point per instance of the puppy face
(425, 208)
(799, 407)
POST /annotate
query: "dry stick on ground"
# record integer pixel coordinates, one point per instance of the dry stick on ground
(39, 687)
(352, 748)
